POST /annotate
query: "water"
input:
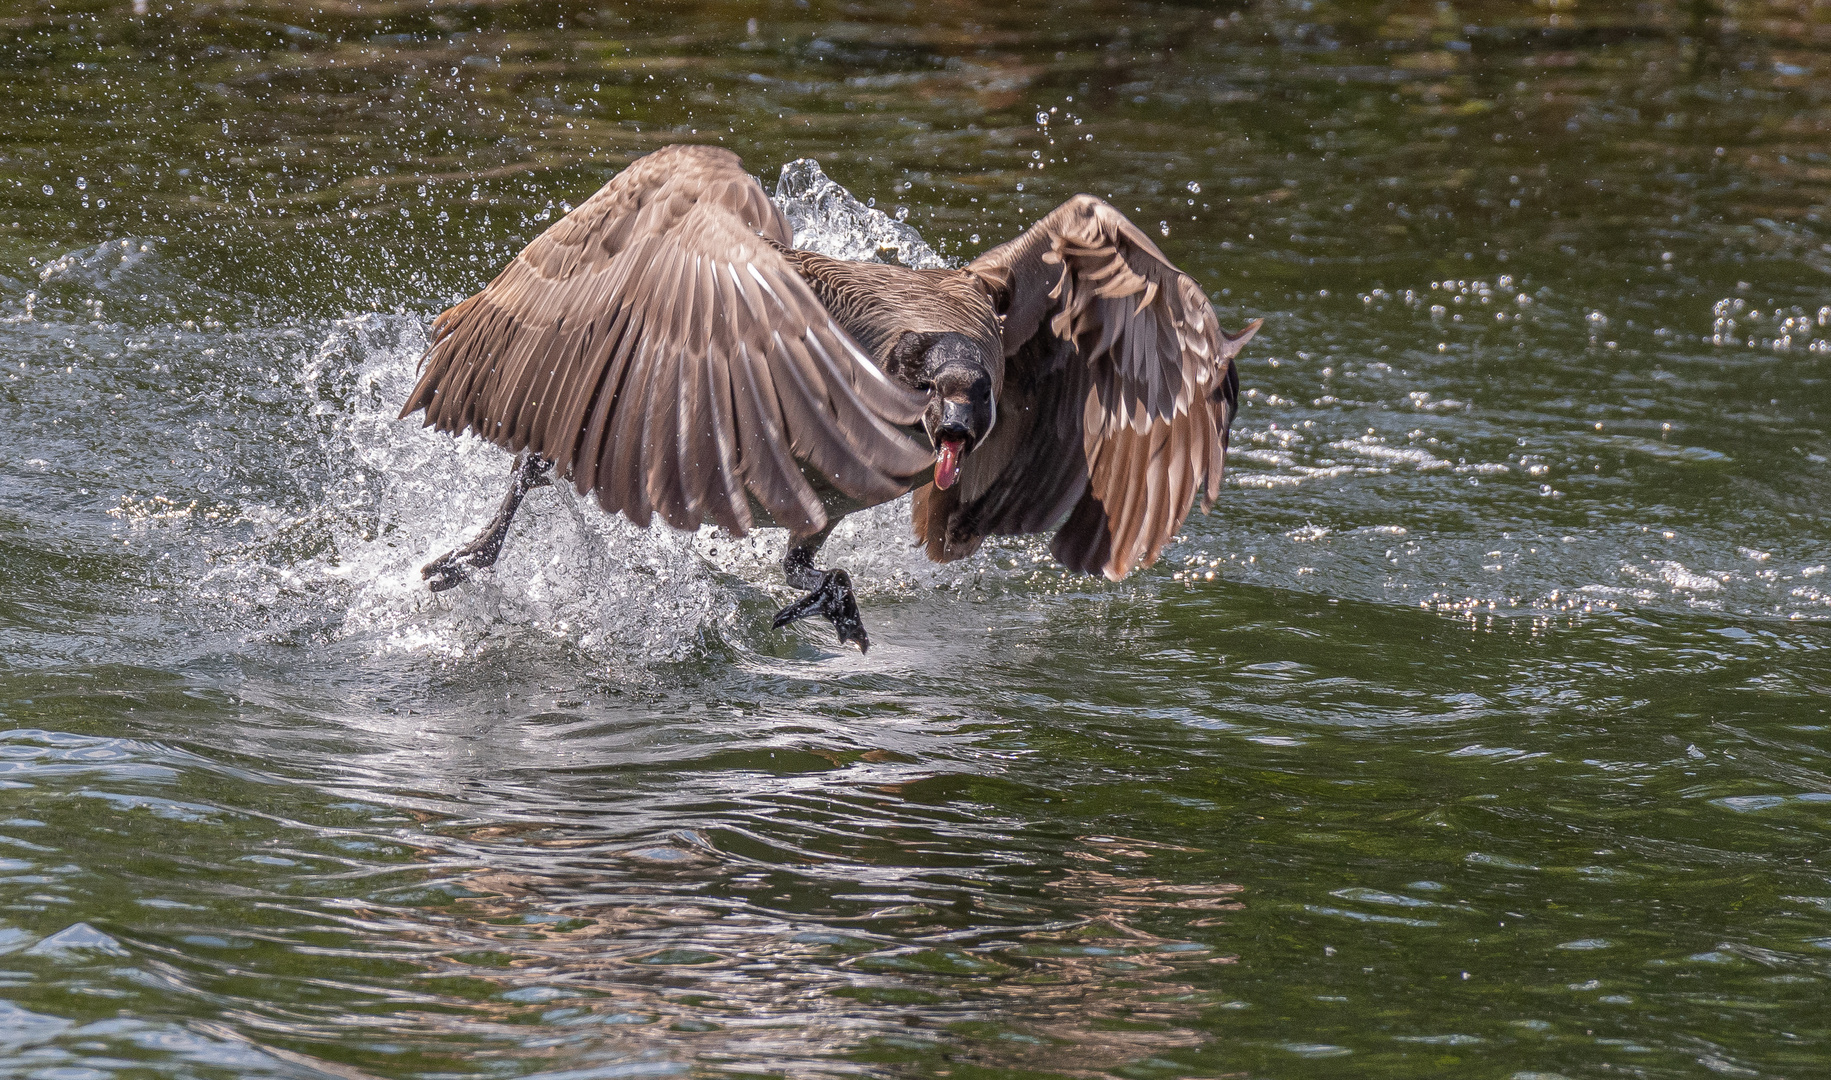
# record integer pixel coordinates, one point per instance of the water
(1480, 731)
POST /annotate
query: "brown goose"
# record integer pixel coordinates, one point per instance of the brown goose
(663, 347)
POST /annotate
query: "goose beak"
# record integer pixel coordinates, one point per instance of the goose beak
(947, 462)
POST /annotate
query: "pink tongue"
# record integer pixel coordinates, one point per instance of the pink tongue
(947, 464)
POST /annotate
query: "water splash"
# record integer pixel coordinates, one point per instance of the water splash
(827, 219)
(395, 495)
(402, 494)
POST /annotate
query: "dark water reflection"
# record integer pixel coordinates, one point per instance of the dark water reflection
(1481, 731)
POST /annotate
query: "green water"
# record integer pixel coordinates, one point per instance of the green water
(1496, 744)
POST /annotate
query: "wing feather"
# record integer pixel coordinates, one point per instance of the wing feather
(1119, 392)
(593, 398)
(657, 347)
(622, 468)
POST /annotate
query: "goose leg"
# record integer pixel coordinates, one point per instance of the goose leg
(447, 570)
(830, 595)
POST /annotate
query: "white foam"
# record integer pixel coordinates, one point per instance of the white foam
(1261, 457)
(1298, 474)
(1264, 480)
(1674, 575)
(1368, 446)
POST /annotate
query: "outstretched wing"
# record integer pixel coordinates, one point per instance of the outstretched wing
(655, 345)
(1118, 395)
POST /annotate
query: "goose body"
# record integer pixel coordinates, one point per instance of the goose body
(665, 349)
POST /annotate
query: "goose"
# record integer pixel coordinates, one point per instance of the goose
(665, 348)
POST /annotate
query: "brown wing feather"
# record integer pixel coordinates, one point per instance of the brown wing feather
(1118, 395)
(656, 346)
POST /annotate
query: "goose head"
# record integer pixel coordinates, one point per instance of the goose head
(952, 369)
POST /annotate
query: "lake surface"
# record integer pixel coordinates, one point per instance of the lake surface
(1481, 731)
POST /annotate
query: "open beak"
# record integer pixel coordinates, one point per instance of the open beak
(947, 462)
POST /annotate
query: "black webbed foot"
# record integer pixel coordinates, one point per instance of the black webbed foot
(447, 571)
(444, 572)
(833, 599)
